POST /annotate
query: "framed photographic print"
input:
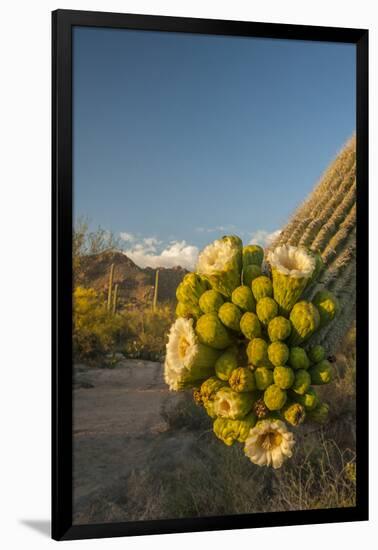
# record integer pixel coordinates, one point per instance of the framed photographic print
(210, 188)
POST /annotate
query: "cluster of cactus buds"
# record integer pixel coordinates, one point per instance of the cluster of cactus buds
(244, 320)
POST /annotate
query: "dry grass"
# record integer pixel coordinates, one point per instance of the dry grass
(215, 480)
(192, 474)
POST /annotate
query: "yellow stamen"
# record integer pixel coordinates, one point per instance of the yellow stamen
(183, 346)
(270, 440)
(224, 406)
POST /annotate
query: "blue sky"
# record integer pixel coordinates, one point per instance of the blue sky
(181, 138)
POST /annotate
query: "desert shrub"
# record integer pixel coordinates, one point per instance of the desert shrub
(95, 331)
(145, 332)
(322, 475)
(181, 412)
(138, 333)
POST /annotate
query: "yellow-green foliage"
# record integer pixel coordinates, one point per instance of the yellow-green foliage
(95, 330)
(136, 332)
(145, 331)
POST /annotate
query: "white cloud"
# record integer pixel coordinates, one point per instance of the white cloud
(151, 242)
(128, 237)
(263, 237)
(217, 229)
(150, 253)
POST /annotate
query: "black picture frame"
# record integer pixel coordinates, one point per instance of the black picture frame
(62, 23)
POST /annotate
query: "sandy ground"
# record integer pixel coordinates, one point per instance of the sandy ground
(118, 429)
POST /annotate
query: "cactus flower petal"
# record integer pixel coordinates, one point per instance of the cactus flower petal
(269, 443)
(221, 263)
(187, 360)
(292, 268)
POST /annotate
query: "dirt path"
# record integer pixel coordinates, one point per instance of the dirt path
(117, 428)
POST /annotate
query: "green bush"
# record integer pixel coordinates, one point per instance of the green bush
(137, 333)
(95, 331)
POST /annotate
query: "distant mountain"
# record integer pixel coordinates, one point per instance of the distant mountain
(136, 285)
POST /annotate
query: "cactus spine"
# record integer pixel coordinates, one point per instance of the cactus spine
(115, 298)
(156, 290)
(326, 222)
(110, 287)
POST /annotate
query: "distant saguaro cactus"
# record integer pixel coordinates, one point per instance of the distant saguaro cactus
(110, 287)
(326, 223)
(156, 290)
(115, 299)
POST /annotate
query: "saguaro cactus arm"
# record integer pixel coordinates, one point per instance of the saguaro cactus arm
(110, 287)
(156, 290)
(115, 299)
(326, 223)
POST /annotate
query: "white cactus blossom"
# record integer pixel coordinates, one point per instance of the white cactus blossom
(182, 344)
(269, 443)
(292, 261)
(215, 256)
(171, 376)
(187, 360)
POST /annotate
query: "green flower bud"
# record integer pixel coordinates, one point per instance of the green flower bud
(211, 332)
(302, 382)
(209, 407)
(191, 288)
(294, 413)
(250, 272)
(230, 431)
(279, 328)
(226, 363)
(188, 310)
(305, 321)
(246, 424)
(242, 379)
(220, 263)
(319, 414)
(253, 254)
(210, 301)
(243, 298)
(309, 400)
(321, 373)
(230, 315)
(208, 391)
(257, 352)
(316, 354)
(210, 387)
(262, 287)
(263, 377)
(298, 358)
(232, 404)
(250, 325)
(274, 398)
(327, 305)
(266, 309)
(278, 354)
(283, 377)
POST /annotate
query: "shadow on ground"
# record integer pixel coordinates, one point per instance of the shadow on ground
(42, 526)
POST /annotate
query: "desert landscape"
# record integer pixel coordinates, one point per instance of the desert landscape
(144, 452)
